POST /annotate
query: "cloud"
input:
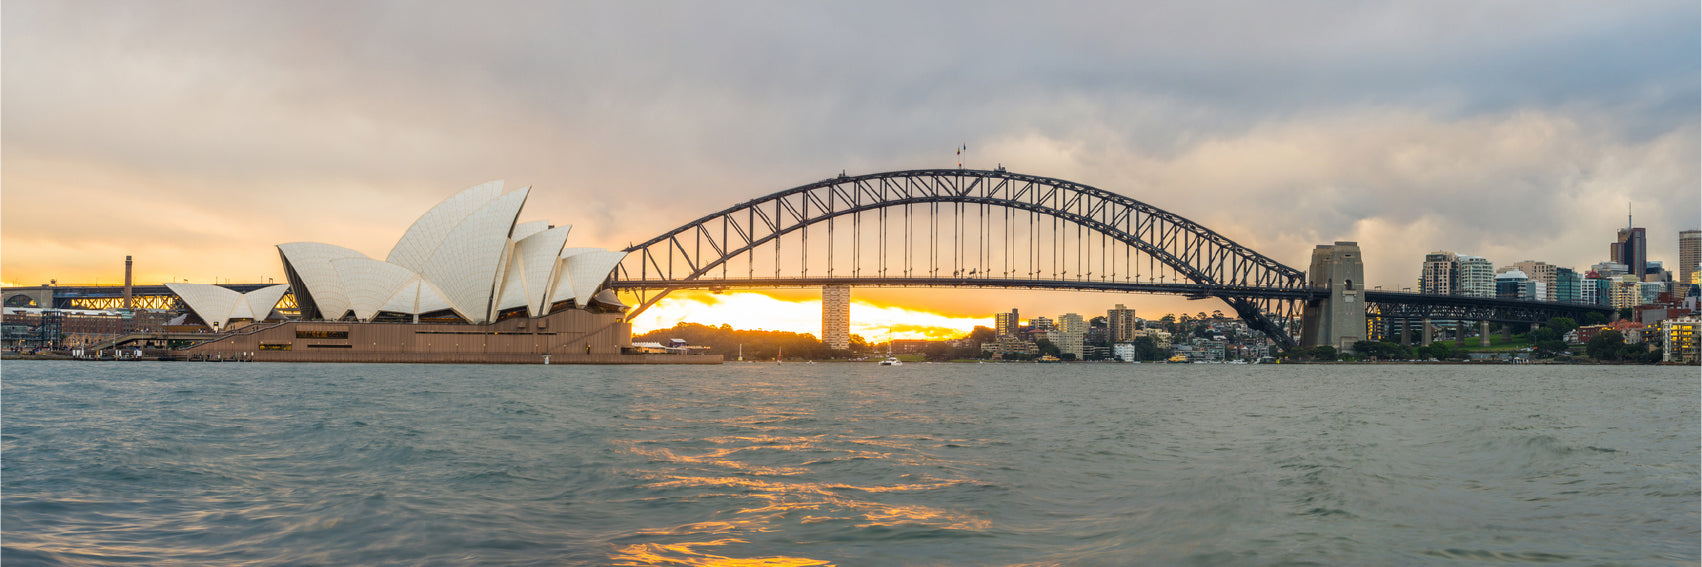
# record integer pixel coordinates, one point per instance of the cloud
(1528, 183)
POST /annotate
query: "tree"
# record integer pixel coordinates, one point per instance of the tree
(982, 335)
(1146, 349)
(1605, 345)
(1217, 314)
(1562, 325)
(1067, 357)
(1625, 313)
(1437, 350)
(1046, 347)
(1324, 352)
(1099, 322)
(1594, 318)
(1633, 352)
(1549, 348)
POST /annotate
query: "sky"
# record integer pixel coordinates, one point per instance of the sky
(195, 136)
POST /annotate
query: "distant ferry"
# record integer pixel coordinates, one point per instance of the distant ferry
(892, 361)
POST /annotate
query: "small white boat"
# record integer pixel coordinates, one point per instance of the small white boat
(892, 361)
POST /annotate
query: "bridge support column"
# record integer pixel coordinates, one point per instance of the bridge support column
(1406, 331)
(1506, 332)
(1429, 333)
(1459, 333)
(1483, 333)
(1338, 319)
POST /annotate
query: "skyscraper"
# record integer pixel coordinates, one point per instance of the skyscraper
(1568, 286)
(1121, 323)
(836, 316)
(1477, 276)
(1006, 323)
(1441, 274)
(1069, 334)
(1632, 249)
(1689, 255)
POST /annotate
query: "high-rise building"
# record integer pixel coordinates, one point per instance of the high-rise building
(1689, 255)
(1441, 274)
(1539, 272)
(1591, 290)
(1006, 323)
(1477, 276)
(836, 316)
(1627, 291)
(1040, 324)
(1069, 333)
(1121, 323)
(1568, 285)
(1632, 249)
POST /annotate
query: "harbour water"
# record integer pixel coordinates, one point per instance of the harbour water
(848, 464)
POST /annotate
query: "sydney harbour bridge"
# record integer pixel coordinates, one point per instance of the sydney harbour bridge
(998, 229)
(954, 228)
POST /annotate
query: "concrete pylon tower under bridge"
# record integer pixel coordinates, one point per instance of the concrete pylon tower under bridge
(1337, 319)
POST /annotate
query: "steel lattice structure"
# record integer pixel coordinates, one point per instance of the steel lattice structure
(982, 229)
(1401, 305)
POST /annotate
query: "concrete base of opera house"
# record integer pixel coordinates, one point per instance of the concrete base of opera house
(570, 336)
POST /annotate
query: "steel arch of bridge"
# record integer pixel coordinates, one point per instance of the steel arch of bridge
(1263, 292)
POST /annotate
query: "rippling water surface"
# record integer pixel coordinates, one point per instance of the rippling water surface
(924, 464)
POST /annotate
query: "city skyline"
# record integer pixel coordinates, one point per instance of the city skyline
(204, 135)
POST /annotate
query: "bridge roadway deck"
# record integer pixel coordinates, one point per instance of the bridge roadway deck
(1390, 304)
(1192, 290)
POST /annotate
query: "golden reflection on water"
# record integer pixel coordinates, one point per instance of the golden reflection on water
(766, 497)
(688, 554)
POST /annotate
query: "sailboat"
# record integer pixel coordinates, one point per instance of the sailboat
(890, 359)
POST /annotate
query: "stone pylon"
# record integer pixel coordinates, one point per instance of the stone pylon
(1338, 319)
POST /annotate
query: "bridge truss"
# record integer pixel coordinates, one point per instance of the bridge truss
(1403, 305)
(964, 228)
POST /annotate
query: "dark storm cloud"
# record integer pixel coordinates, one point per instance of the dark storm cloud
(674, 109)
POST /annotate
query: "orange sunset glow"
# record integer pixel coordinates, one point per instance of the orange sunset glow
(752, 310)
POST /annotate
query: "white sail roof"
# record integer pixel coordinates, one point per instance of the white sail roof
(562, 289)
(467, 254)
(587, 271)
(465, 266)
(372, 284)
(311, 262)
(526, 229)
(418, 297)
(416, 246)
(537, 256)
(217, 305)
(262, 301)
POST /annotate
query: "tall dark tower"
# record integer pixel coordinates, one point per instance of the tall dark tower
(1631, 248)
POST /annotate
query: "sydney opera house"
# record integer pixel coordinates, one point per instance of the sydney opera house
(466, 283)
